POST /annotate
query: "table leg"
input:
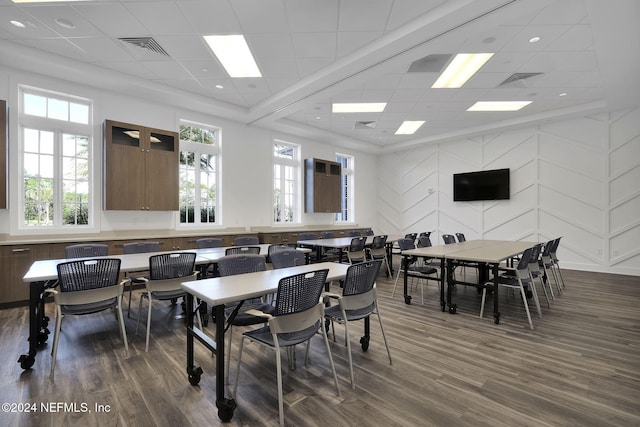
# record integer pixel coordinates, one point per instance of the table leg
(496, 304)
(443, 282)
(389, 247)
(405, 263)
(38, 322)
(450, 283)
(364, 340)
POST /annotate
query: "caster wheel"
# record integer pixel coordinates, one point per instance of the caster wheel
(364, 342)
(174, 301)
(444, 307)
(453, 309)
(195, 375)
(225, 409)
(26, 362)
(496, 319)
(407, 299)
(42, 338)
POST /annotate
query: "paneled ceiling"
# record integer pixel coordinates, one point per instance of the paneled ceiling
(313, 53)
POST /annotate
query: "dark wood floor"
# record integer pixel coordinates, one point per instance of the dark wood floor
(580, 366)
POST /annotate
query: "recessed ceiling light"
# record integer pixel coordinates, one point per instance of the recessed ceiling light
(409, 127)
(17, 24)
(359, 107)
(234, 54)
(563, 94)
(535, 39)
(65, 23)
(219, 87)
(461, 69)
(498, 105)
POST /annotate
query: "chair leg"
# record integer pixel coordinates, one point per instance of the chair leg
(346, 335)
(279, 374)
(484, 296)
(54, 350)
(384, 336)
(123, 331)
(146, 347)
(396, 283)
(333, 367)
(228, 355)
(526, 305)
(535, 297)
(235, 387)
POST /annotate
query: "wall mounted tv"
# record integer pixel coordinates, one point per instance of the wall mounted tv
(481, 185)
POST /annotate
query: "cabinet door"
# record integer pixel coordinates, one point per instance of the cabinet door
(326, 186)
(125, 169)
(162, 170)
(14, 263)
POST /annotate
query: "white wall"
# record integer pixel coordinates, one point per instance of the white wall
(246, 152)
(579, 179)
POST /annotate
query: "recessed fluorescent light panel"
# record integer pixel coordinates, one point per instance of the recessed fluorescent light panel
(43, 1)
(359, 107)
(498, 105)
(409, 127)
(461, 69)
(233, 53)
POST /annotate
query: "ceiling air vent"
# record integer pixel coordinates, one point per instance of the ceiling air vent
(364, 125)
(517, 79)
(141, 44)
(429, 64)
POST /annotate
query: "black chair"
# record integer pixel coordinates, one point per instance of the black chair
(242, 250)
(358, 301)
(210, 269)
(236, 313)
(355, 233)
(378, 251)
(448, 239)
(414, 270)
(297, 317)
(137, 248)
(166, 273)
(86, 250)
(287, 258)
(356, 252)
(86, 287)
(313, 256)
(246, 240)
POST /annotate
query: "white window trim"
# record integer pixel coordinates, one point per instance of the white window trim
(351, 177)
(297, 165)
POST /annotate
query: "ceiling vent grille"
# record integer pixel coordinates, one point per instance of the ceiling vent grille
(146, 43)
(364, 125)
(517, 79)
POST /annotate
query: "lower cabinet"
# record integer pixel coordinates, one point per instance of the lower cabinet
(15, 261)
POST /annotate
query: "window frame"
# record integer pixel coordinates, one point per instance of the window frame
(347, 179)
(296, 164)
(60, 128)
(215, 150)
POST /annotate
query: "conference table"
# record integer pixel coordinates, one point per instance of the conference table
(343, 243)
(44, 273)
(220, 291)
(488, 254)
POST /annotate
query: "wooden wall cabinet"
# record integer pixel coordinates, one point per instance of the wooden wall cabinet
(15, 261)
(322, 186)
(3, 154)
(141, 168)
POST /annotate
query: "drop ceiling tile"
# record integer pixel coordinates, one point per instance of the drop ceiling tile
(264, 16)
(271, 45)
(350, 41)
(278, 67)
(364, 15)
(312, 15)
(57, 46)
(165, 70)
(314, 45)
(102, 49)
(406, 11)
(565, 12)
(208, 17)
(187, 47)
(160, 17)
(48, 16)
(112, 19)
(34, 28)
(308, 66)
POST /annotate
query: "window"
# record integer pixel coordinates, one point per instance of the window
(346, 188)
(286, 170)
(55, 140)
(199, 156)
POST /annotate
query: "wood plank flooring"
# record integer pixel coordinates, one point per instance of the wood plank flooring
(580, 366)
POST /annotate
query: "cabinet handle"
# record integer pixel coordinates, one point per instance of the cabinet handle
(20, 250)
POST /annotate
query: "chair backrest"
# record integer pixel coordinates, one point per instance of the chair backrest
(355, 233)
(406, 244)
(327, 235)
(534, 266)
(448, 239)
(554, 248)
(522, 269)
(242, 250)
(424, 241)
(88, 250)
(412, 236)
(278, 248)
(300, 292)
(369, 232)
(171, 265)
(460, 237)
(357, 244)
(141, 247)
(209, 242)
(361, 277)
(379, 242)
(230, 265)
(287, 258)
(246, 240)
(88, 274)
(307, 236)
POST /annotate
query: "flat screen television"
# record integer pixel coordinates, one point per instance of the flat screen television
(481, 185)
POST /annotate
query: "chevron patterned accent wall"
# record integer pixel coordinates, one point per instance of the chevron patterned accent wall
(579, 179)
